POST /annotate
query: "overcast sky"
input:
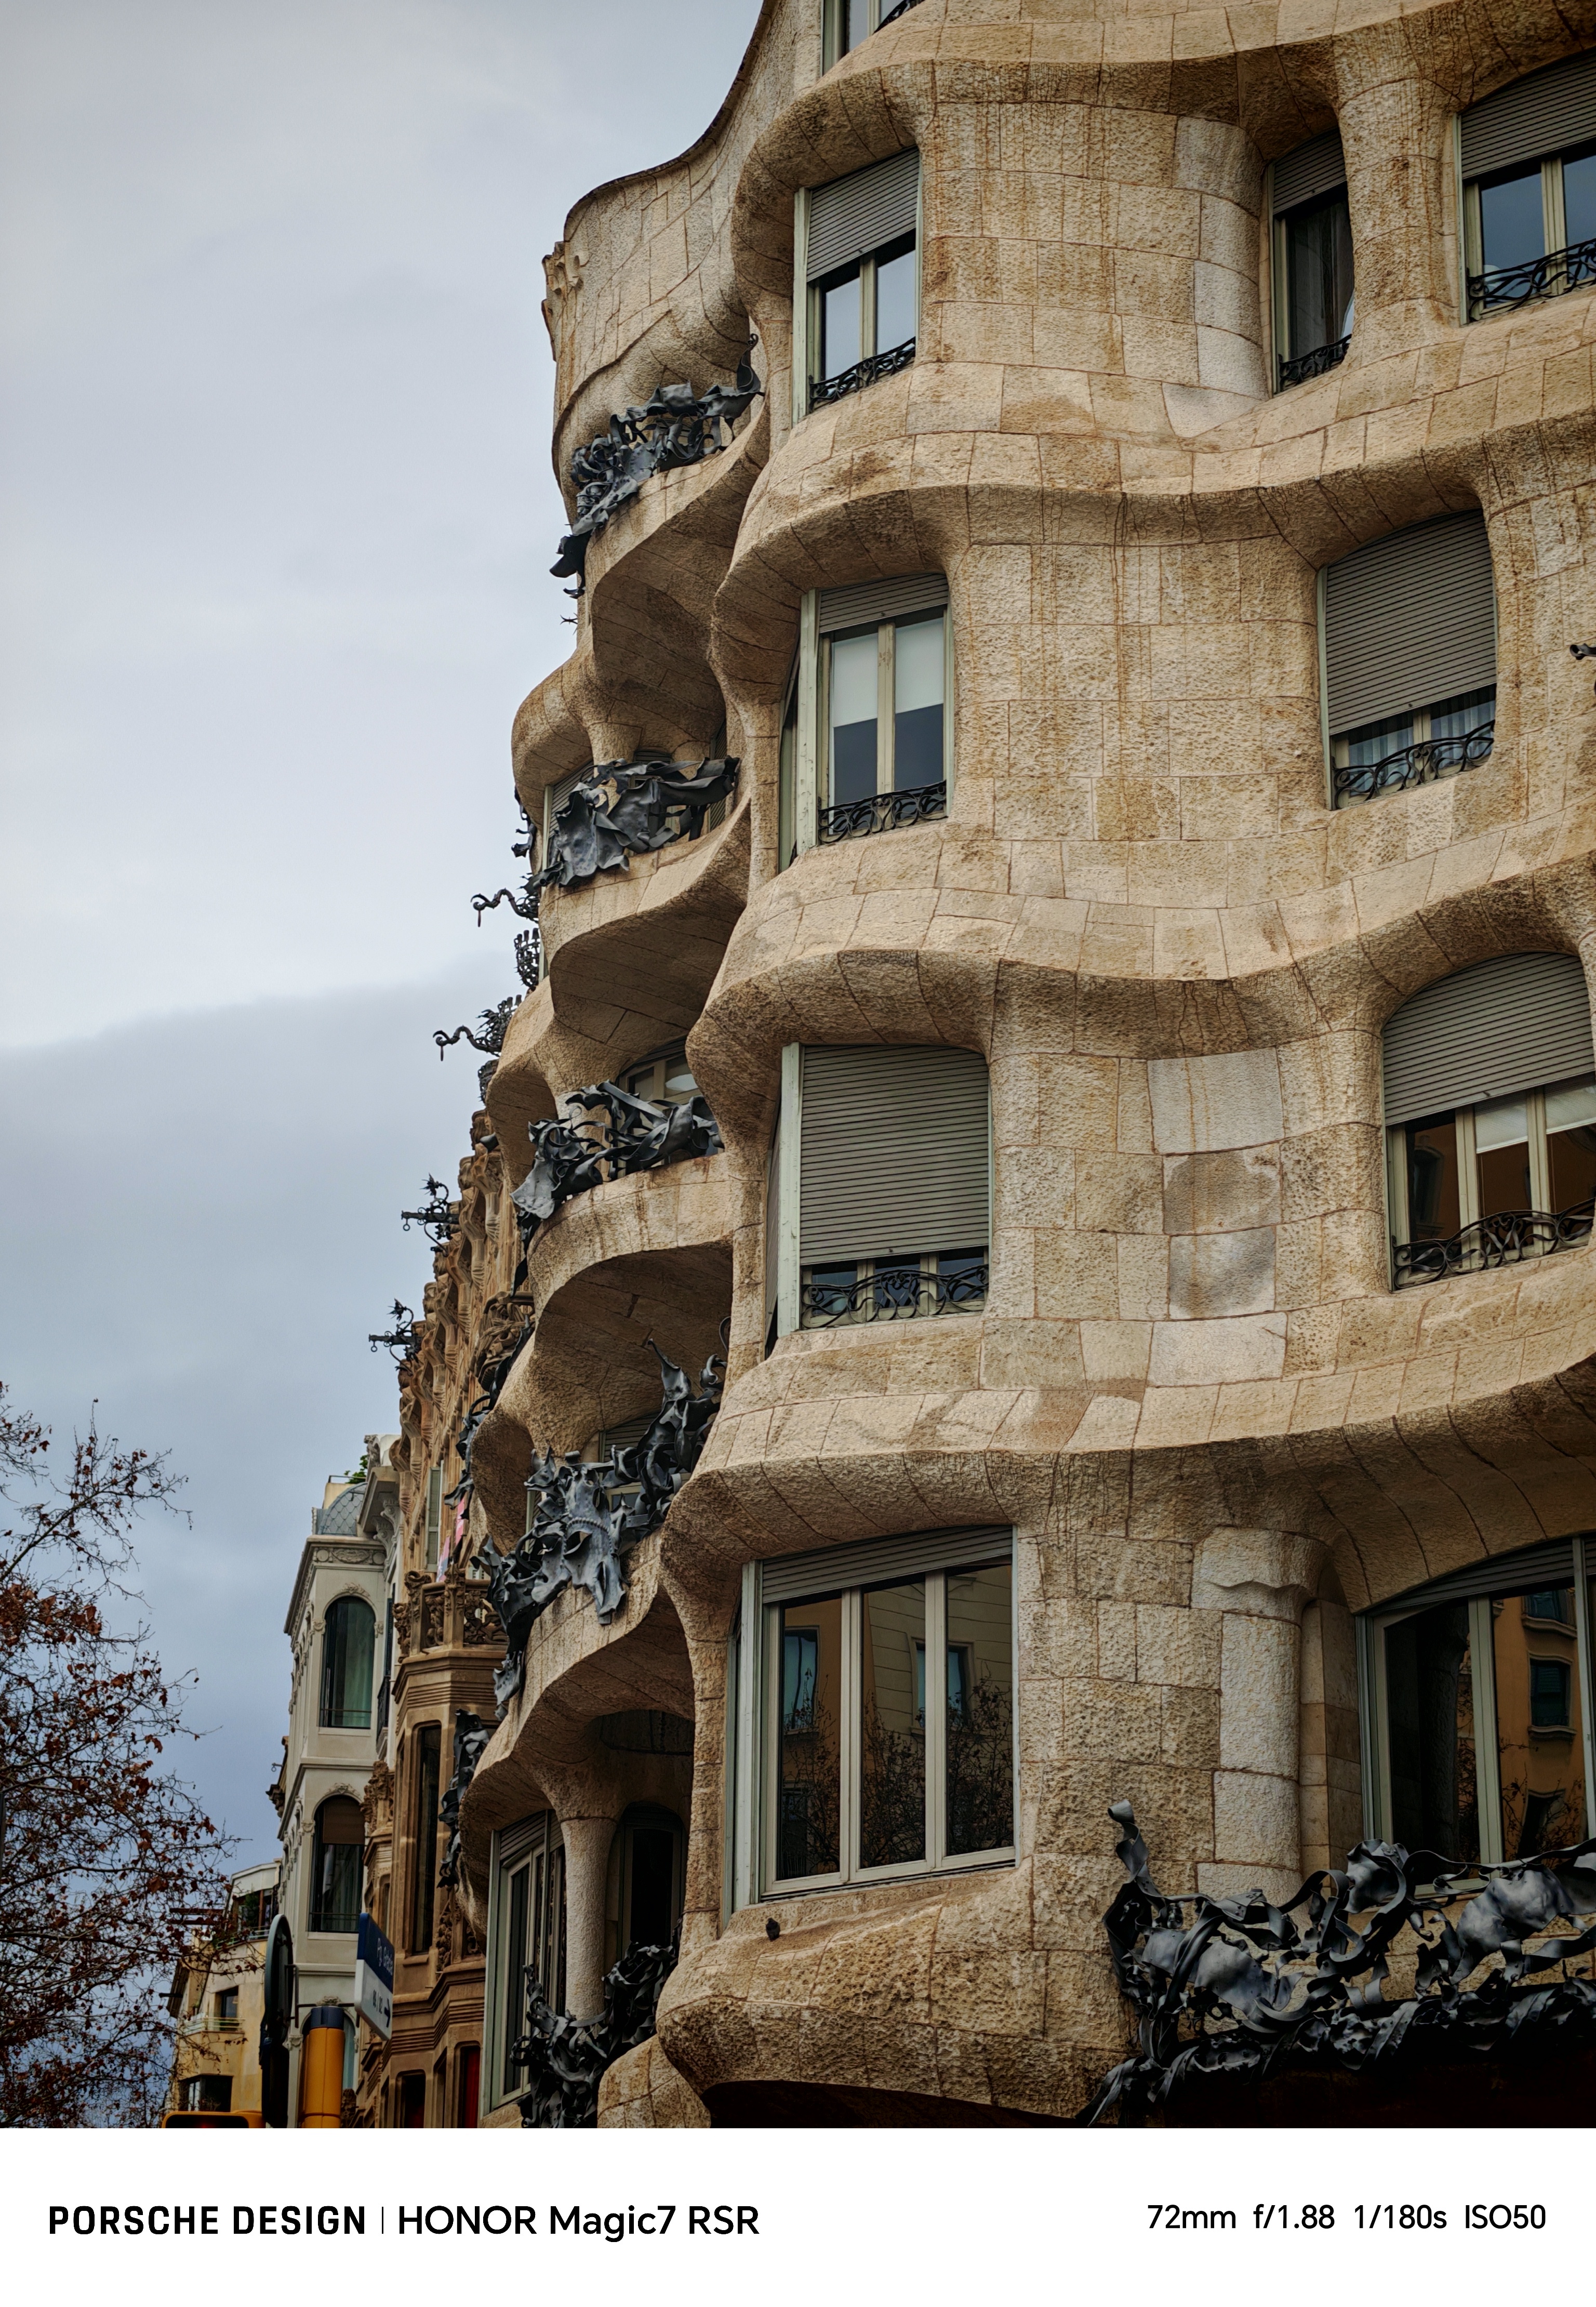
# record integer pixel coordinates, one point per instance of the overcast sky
(276, 515)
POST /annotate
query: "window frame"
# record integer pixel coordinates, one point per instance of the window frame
(756, 1700)
(316, 1910)
(1399, 1213)
(1553, 224)
(805, 767)
(1373, 1625)
(806, 292)
(517, 1850)
(1282, 348)
(343, 1602)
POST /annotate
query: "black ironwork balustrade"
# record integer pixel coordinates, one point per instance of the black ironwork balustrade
(892, 1293)
(588, 1517)
(824, 389)
(1240, 1987)
(1317, 363)
(673, 426)
(882, 813)
(1503, 288)
(612, 1134)
(1417, 764)
(1505, 1240)
(566, 2059)
(621, 810)
(471, 1736)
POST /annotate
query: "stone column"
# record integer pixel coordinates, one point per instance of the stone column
(1260, 1580)
(587, 1841)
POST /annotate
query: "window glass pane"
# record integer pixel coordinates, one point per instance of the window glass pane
(334, 1890)
(980, 1710)
(1433, 1209)
(856, 24)
(516, 1914)
(679, 1082)
(829, 1288)
(1319, 275)
(1378, 742)
(809, 1781)
(918, 675)
(1540, 1741)
(841, 345)
(892, 1731)
(963, 1276)
(1512, 222)
(348, 1644)
(854, 664)
(896, 317)
(1429, 1702)
(1502, 1147)
(650, 1917)
(1579, 199)
(1571, 1143)
(1459, 715)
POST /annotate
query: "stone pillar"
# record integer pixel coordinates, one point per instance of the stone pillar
(586, 1870)
(1259, 1580)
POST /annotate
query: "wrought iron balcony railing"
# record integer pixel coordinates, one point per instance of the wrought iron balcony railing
(1503, 288)
(892, 1293)
(825, 389)
(1317, 363)
(882, 813)
(1505, 1240)
(1415, 765)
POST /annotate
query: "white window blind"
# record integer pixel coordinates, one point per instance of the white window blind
(1313, 169)
(860, 213)
(895, 1153)
(881, 600)
(1543, 113)
(1514, 1023)
(1410, 620)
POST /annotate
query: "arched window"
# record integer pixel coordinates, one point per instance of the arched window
(335, 1878)
(348, 1642)
(1490, 1114)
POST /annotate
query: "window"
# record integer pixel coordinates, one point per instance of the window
(207, 2093)
(1477, 1705)
(338, 1849)
(426, 1746)
(849, 23)
(348, 1640)
(867, 744)
(858, 242)
(411, 2111)
(385, 1687)
(435, 1515)
(1528, 163)
(1491, 1113)
(842, 1776)
(647, 1881)
(881, 1190)
(1313, 262)
(526, 1930)
(665, 1078)
(226, 2007)
(468, 2087)
(1409, 640)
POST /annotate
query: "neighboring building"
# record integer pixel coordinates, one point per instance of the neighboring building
(1142, 983)
(216, 2001)
(334, 1623)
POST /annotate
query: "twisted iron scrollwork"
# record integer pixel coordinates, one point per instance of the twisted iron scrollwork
(1505, 1239)
(588, 1517)
(620, 1137)
(1236, 1986)
(525, 904)
(494, 1023)
(1415, 765)
(891, 15)
(892, 1293)
(1503, 288)
(882, 813)
(673, 426)
(403, 1339)
(566, 2059)
(439, 1220)
(1317, 363)
(502, 1338)
(471, 1735)
(622, 810)
(825, 389)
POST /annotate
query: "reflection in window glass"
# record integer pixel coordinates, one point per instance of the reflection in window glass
(808, 1806)
(1571, 1142)
(515, 1965)
(1456, 717)
(1579, 200)
(852, 717)
(1512, 220)
(918, 654)
(842, 322)
(1540, 1741)
(1319, 274)
(855, 23)
(1434, 1212)
(980, 1770)
(1429, 1699)
(892, 1738)
(348, 1641)
(1502, 1153)
(895, 299)
(1378, 742)
(339, 1847)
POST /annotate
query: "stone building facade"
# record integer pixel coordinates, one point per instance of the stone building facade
(1140, 985)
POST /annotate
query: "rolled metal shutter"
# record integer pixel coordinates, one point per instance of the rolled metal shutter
(856, 214)
(791, 1575)
(1511, 1023)
(556, 796)
(1313, 169)
(1409, 620)
(877, 603)
(1551, 1564)
(1543, 113)
(895, 1153)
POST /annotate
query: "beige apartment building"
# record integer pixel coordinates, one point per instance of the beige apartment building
(1137, 968)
